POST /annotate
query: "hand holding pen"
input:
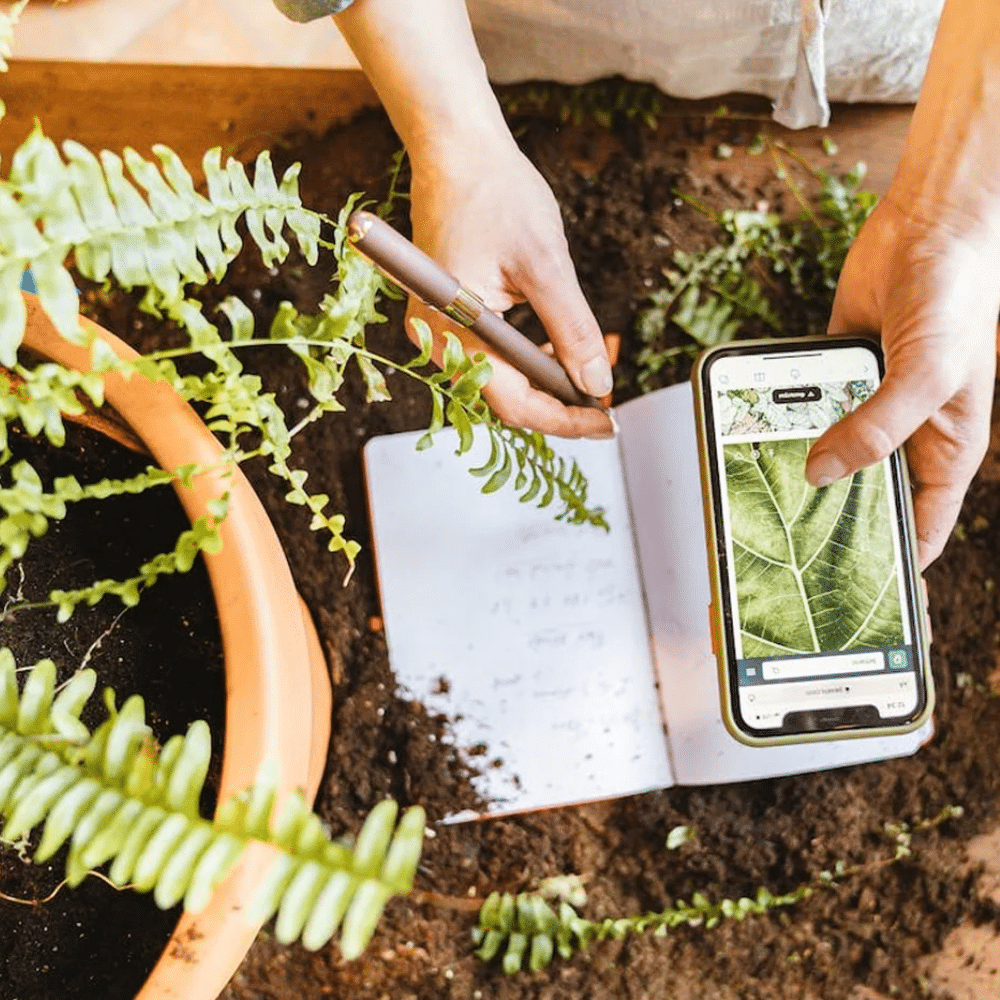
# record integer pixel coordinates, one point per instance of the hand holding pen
(526, 378)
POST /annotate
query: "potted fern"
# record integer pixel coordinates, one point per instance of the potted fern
(114, 794)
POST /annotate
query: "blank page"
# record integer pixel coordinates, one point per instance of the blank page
(660, 456)
(528, 633)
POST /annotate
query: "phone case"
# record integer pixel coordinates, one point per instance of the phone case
(715, 611)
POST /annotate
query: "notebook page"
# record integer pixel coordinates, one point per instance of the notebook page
(530, 634)
(660, 456)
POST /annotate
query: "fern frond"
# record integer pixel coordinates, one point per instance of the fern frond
(39, 397)
(136, 220)
(117, 797)
(27, 508)
(234, 403)
(520, 457)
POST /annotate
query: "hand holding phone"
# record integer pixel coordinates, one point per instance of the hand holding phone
(818, 618)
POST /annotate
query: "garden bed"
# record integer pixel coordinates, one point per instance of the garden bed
(618, 188)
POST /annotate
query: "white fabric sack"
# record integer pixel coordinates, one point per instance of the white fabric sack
(800, 53)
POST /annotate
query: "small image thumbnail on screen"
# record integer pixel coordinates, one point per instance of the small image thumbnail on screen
(794, 407)
(815, 569)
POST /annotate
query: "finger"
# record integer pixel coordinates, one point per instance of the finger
(612, 344)
(943, 458)
(510, 396)
(550, 285)
(517, 403)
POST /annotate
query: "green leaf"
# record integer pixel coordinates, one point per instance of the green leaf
(13, 313)
(437, 411)
(454, 359)
(468, 387)
(425, 337)
(240, 318)
(815, 569)
(462, 424)
(377, 390)
(374, 838)
(491, 463)
(500, 477)
(362, 917)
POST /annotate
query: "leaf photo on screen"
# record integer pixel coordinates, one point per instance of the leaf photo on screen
(815, 568)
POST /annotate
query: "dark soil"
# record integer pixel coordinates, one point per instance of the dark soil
(96, 940)
(617, 191)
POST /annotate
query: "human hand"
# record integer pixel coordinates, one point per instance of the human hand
(485, 214)
(931, 287)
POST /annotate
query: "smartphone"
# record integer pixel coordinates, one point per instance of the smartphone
(818, 610)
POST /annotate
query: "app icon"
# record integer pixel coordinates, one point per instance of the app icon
(897, 659)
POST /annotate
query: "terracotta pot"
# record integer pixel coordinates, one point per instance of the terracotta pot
(278, 698)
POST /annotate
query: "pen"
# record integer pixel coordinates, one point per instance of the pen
(410, 268)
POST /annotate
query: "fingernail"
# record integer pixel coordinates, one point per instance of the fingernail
(596, 375)
(824, 469)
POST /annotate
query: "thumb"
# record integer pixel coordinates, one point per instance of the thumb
(901, 404)
(884, 421)
(555, 294)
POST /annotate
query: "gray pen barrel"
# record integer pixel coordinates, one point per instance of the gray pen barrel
(408, 266)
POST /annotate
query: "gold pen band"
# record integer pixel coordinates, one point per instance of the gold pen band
(465, 308)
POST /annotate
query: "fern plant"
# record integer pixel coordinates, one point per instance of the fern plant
(119, 798)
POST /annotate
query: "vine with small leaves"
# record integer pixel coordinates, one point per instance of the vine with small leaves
(525, 927)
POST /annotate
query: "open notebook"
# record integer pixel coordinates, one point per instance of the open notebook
(576, 661)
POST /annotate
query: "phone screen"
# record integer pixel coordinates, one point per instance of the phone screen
(817, 584)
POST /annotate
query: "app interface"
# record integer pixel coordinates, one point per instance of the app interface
(815, 575)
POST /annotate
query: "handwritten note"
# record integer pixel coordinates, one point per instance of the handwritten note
(529, 633)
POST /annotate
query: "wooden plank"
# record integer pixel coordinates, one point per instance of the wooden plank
(191, 108)
(244, 110)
